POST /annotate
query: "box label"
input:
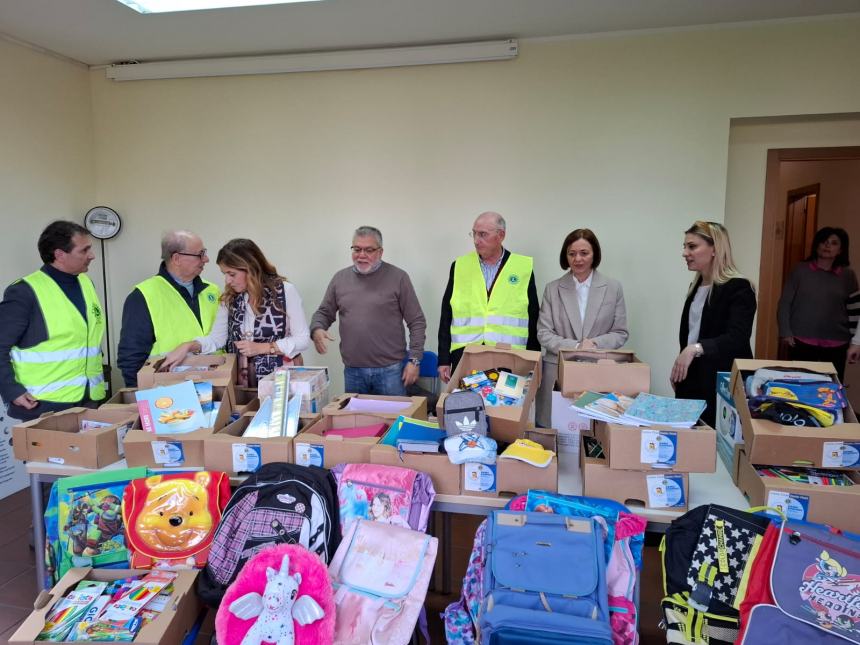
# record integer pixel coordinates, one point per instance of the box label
(168, 453)
(121, 431)
(308, 454)
(247, 457)
(792, 505)
(480, 477)
(665, 491)
(56, 460)
(660, 449)
(838, 454)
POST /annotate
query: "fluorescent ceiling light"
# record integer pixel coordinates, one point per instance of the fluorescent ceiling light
(165, 6)
(315, 62)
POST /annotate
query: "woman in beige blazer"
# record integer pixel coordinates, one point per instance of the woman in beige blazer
(563, 325)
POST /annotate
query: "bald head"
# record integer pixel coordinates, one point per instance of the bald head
(488, 233)
(491, 219)
(183, 254)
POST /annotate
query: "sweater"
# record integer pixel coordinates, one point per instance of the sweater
(813, 303)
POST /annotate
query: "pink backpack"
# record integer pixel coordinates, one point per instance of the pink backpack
(390, 494)
(380, 574)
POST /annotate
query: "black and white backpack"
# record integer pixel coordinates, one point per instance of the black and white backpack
(464, 412)
(279, 504)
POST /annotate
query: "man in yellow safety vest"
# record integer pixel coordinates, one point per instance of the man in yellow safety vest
(169, 308)
(52, 328)
(490, 298)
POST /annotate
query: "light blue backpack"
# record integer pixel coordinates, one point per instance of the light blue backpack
(544, 580)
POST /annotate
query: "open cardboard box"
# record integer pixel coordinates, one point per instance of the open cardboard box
(630, 487)
(514, 477)
(122, 398)
(312, 448)
(823, 504)
(160, 450)
(695, 448)
(245, 400)
(772, 444)
(56, 437)
(616, 370)
(507, 421)
(417, 408)
(445, 475)
(221, 454)
(220, 369)
(171, 625)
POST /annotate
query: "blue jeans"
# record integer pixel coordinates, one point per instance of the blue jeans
(374, 380)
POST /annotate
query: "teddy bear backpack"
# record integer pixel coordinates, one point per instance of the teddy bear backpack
(170, 519)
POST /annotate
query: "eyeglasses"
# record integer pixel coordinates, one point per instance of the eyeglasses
(481, 235)
(367, 250)
(199, 256)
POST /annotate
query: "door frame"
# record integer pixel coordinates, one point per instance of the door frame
(773, 239)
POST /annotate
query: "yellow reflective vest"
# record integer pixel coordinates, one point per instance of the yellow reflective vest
(62, 367)
(173, 322)
(501, 318)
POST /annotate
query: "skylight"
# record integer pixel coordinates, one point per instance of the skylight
(165, 6)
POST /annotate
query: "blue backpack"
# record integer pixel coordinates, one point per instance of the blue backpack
(544, 580)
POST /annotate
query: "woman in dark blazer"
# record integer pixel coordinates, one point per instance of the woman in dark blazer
(583, 309)
(716, 323)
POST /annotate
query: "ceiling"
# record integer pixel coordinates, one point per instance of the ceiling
(99, 32)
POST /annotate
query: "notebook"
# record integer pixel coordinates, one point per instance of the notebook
(414, 435)
(374, 430)
(650, 409)
(171, 409)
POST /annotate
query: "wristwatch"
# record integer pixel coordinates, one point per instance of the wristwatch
(415, 361)
(273, 348)
(699, 349)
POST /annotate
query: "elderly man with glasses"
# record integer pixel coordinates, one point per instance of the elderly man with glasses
(168, 309)
(491, 297)
(373, 299)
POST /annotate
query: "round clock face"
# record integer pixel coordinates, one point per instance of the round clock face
(102, 222)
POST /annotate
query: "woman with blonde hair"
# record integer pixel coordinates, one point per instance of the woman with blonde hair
(260, 317)
(716, 323)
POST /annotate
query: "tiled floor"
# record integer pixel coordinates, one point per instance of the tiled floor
(17, 563)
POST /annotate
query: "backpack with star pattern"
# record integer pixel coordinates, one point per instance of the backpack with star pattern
(708, 554)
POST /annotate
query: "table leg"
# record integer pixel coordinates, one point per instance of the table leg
(446, 553)
(38, 528)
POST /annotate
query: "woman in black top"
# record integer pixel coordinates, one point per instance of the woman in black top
(716, 323)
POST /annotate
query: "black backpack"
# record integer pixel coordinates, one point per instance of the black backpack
(279, 504)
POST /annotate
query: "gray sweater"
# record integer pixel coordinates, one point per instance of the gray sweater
(813, 303)
(372, 309)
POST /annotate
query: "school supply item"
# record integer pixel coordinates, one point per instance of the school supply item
(815, 476)
(282, 595)
(375, 406)
(171, 409)
(471, 447)
(259, 426)
(280, 399)
(544, 580)
(511, 385)
(373, 430)
(531, 452)
(69, 611)
(756, 381)
(83, 522)
(593, 448)
(464, 412)
(380, 574)
(388, 494)
(708, 554)
(608, 407)
(170, 519)
(420, 438)
(807, 590)
(790, 414)
(650, 409)
(279, 504)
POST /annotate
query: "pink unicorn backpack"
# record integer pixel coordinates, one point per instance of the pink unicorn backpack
(380, 574)
(388, 494)
(282, 595)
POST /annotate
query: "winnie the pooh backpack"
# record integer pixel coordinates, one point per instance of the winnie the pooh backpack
(170, 519)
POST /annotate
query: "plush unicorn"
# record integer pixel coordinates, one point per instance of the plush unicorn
(277, 608)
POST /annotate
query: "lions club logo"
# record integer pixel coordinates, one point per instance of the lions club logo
(96, 311)
(514, 279)
(211, 297)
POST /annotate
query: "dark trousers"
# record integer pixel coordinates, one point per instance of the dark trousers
(835, 355)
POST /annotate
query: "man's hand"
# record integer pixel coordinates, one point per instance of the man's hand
(320, 336)
(444, 373)
(175, 357)
(410, 374)
(853, 353)
(26, 401)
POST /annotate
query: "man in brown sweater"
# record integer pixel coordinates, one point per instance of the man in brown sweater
(374, 299)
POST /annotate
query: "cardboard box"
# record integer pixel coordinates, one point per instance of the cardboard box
(633, 487)
(310, 382)
(506, 422)
(172, 450)
(728, 424)
(569, 423)
(312, 448)
(122, 398)
(602, 371)
(171, 625)
(417, 406)
(629, 447)
(810, 502)
(445, 475)
(56, 437)
(245, 400)
(220, 369)
(772, 444)
(728, 454)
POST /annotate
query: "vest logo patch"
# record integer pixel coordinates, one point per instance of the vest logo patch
(514, 279)
(830, 592)
(96, 311)
(211, 297)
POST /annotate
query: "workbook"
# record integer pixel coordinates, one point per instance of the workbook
(171, 409)
(415, 437)
(650, 409)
